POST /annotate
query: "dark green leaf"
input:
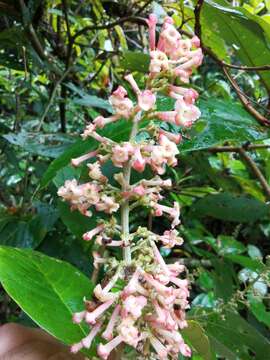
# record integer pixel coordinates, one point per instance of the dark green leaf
(246, 35)
(247, 262)
(50, 145)
(77, 223)
(230, 207)
(93, 101)
(222, 121)
(135, 61)
(258, 309)
(234, 338)
(196, 337)
(47, 289)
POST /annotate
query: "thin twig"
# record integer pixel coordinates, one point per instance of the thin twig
(242, 97)
(31, 33)
(197, 13)
(248, 147)
(256, 171)
(259, 117)
(53, 94)
(134, 19)
(143, 7)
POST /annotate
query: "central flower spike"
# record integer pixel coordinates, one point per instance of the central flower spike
(142, 301)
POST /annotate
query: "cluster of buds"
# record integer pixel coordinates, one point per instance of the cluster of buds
(141, 302)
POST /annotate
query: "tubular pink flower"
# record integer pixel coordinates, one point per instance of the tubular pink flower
(133, 83)
(172, 337)
(160, 312)
(98, 259)
(121, 154)
(170, 238)
(146, 100)
(88, 131)
(138, 162)
(167, 116)
(158, 61)
(101, 121)
(159, 259)
(108, 333)
(76, 347)
(95, 172)
(159, 348)
(79, 160)
(139, 190)
(122, 105)
(185, 350)
(173, 212)
(115, 243)
(194, 61)
(187, 114)
(183, 75)
(105, 350)
(181, 283)
(152, 22)
(78, 317)
(129, 332)
(176, 138)
(90, 234)
(107, 204)
(160, 288)
(176, 268)
(134, 286)
(196, 42)
(133, 305)
(120, 92)
(87, 341)
(92, 316)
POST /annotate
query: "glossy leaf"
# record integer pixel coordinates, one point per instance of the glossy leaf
(234, 338)
(231, 207)
(196, 337)
(49, 145)
(222, 121)
(48, 290)
(27, 231)
(246, 35)
(77, 223)
(135, 61)
(93, 101)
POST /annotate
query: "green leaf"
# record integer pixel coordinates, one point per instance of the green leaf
(77, 223)
(222, 121)
(135, 61)
(196, 337)
(50, 145)
(234, 338)
(245, 35)
(254, 252)
(48, 290)
(230, 207)
(258, 309)
(246, 262)
(93, 101)
(27, 231)
(228, 245)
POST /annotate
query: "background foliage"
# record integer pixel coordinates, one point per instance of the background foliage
(59, 60)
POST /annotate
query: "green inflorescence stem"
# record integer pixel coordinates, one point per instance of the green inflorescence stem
(125, 205)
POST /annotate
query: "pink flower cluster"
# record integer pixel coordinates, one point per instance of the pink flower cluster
(142, 300)
(150, 308)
